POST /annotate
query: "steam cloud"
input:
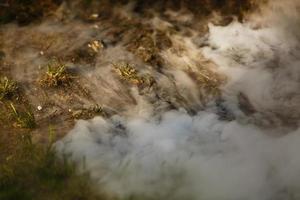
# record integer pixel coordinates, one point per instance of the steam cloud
(178, 156)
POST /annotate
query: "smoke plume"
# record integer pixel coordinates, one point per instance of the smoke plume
(244, 145)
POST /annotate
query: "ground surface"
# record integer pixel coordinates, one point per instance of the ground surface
(109, 54)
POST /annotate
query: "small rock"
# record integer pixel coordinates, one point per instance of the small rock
(96, 26)
(95, 15)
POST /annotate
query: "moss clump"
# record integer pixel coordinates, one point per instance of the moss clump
(56, 75)
(8, 88)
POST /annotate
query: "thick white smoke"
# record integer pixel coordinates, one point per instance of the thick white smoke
(178, 156)
(184, 157)
(263, 64)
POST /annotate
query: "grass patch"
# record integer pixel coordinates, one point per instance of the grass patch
(23, 119)
(26, 11)
(8, 88)
(147, 44)
(56, 75)
(130, 74)
(209, 82)
(34, 172)
(88, 113)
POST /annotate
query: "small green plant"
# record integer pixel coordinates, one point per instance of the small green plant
(8, 88)
(56, 75)
(23, 119)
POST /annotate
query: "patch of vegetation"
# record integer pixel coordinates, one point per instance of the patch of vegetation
(2, 54)
(200, 7)
(56, 75)
(129, 73)
(26, 11)
(8, 88)
(96, 45)
(208, 81)
(88, 113)
(147, 43)
(23, 119)
(87, 53)
(34, 172)
(144, 47)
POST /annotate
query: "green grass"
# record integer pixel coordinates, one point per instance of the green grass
(23, 119)
(56, 75)
(34, 172)
(8, 88)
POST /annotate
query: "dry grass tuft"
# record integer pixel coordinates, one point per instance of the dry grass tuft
(23, 119)
(8, 88)
(56, 75)
(130, 74)
(209, 82)
(88, 113)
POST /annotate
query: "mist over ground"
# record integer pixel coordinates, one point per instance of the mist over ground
(242, 143)
(179, 99)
